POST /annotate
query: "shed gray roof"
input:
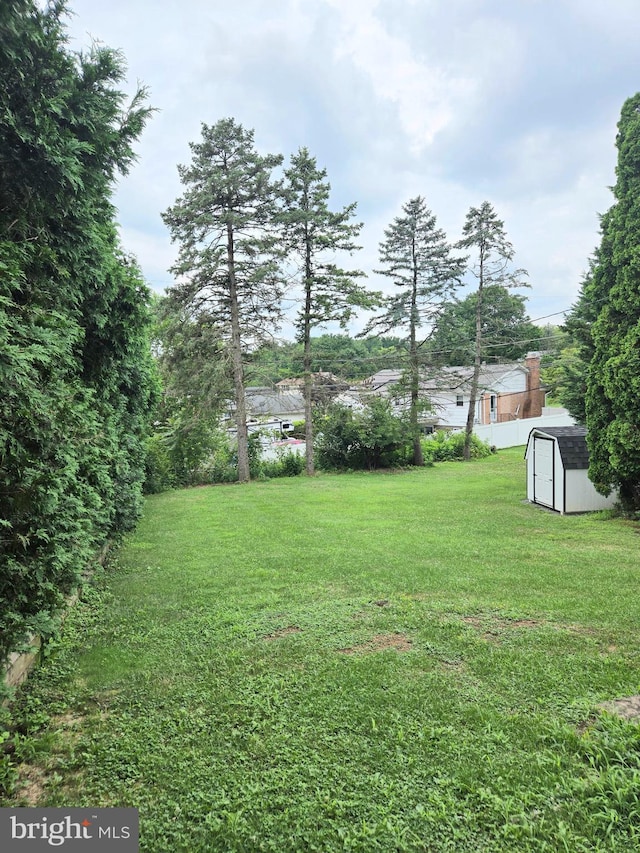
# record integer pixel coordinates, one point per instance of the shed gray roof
(572, 444)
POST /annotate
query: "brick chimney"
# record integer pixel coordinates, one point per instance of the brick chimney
(536, 394)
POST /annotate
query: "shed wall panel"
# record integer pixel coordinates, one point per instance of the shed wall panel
(582, 495)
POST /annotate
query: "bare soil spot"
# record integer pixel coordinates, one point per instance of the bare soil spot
(584, 630)
(69, 725)
(583, 727)
(492, 625)
(283, 632)
(380, 643)
(457, 666)
(628, 708)
(31, 785)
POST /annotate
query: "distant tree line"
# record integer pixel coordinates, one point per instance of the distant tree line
(76, 372)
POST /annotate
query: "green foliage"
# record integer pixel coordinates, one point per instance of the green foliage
(159, 472)
(483, 232)
(613, 378)
(288, 464)
(362, 439)
(563, 374)
(313, 235)
(507, 332)
(204, 454)
(565, 371)
(75, 367)
(345, 357)
(448, 446)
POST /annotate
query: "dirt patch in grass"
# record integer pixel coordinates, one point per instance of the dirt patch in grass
(501, 623)
(583, 630)
(453, 666)
(628, 708)
(283, 632)
(380, 643)
(31, 785)
(493, 626)
(381, 603)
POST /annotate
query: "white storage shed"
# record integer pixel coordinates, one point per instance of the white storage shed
(557, 464)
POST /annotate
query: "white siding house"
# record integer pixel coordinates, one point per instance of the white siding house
(507, 392)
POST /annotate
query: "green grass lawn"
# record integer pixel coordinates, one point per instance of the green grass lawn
(367, 662)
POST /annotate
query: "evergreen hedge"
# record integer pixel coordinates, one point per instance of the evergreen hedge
(76, 373)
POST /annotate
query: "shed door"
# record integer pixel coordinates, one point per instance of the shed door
(543, 471)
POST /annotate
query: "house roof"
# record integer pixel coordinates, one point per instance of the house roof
(264, 401)
(448, 378)
(572, 444)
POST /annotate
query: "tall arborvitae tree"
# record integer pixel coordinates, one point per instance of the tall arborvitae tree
(613, 291)
(313, 236)
(484, 233)
(566, 377)
(225, 224)
(75, 366)
(418, 259)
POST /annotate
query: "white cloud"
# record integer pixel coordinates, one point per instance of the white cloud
(515, 103)
(425, 96)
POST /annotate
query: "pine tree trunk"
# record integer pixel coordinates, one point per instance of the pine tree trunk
(308, 378)
(477, 363)
(237, 366)
(418, 458)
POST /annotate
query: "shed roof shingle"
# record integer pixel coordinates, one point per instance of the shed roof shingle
(572, 443)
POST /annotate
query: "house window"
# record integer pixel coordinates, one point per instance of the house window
(493, 407)
(459, 400)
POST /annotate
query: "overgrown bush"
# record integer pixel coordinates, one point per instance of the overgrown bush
(205, 456)
(159, 471)
(288, 464)
(447, 446)
(364, 439)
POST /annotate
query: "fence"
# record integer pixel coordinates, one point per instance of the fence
(515, 433)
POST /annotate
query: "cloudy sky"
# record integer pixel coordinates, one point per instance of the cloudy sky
(511, 101)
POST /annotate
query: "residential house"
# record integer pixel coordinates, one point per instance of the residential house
(267, 404)
(270, 410)
(506, 392)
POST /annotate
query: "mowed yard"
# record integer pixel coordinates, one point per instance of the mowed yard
(405, 661)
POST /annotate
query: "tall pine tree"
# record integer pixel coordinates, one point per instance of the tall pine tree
(425, 272)
(613, 290)
(484, 233)
(314, 234)
(229, 249)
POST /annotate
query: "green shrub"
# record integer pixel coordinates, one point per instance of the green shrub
(374, 437)
(77, 378)
(298, 430)
(448, 446)
(288, 464)
(159, 472)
